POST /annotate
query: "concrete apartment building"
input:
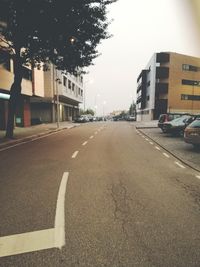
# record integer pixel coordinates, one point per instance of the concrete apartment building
(169, 83)
(29, 88)
(42, 92)
(62, 91)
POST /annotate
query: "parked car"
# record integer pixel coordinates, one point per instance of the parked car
(168, 117)
(131, 118)
(192, 133)
(178, 125)
(81, 119)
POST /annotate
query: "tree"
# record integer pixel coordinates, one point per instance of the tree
(65, 33)
(87, 111)
(132, 109)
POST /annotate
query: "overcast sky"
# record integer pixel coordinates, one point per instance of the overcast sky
(140, 28)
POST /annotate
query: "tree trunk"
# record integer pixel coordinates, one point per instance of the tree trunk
(15, 93)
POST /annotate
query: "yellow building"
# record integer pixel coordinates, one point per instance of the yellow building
(169, 83)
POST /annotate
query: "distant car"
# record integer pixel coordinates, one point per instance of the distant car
(131, 118)
(192, 133)
(168, 117)
(81, 119)
(177, 126)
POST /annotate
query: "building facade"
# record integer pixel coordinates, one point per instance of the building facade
(62, 95)
(30, 82)
(44, 95)
(169, 83)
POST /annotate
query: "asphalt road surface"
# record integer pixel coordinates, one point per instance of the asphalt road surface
(101, 194)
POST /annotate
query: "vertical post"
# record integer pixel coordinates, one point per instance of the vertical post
(57, 100)
(84, 98)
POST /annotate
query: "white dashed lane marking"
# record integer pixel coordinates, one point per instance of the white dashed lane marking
(166, 155)
(179, 164)
(85, 143)
(156, 147)
(91, 136)
(75, 154)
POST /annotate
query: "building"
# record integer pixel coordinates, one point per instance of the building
(42, 93)
(169, 83)
(62, 95)
(29, 88)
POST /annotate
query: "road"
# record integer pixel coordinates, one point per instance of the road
(127, 202)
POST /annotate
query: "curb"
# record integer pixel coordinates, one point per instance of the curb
(32, 137)
(175, 156)
(146, 127)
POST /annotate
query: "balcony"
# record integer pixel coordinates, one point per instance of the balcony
(139, 87)
(162, 88)
(162, 72)
(162, 57)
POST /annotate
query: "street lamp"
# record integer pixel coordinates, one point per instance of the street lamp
(95, 102)
(84, 92)
(58, 81)
(104, 103)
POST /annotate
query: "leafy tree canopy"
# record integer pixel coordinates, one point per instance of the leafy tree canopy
(87, 111)
(65, 32)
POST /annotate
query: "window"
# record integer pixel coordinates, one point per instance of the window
(188, 67)
(191, 82)
(190, 97)
(148, 98)
(69, 84)
(6, 64)
(64, 81)
(73, 87)
(148, 83)
(26, 73)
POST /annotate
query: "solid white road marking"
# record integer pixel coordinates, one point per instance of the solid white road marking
(43, 239)
(156, 147)
(60, 213)
(166, 155)
(180, 165)
(27, 242)
(85, 143)
(91, 136)
(75, 154)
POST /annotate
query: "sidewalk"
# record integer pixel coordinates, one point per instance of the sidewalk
(29, 133)
(146, 124)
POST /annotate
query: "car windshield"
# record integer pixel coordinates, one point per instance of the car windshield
(195, 124)
(180, 120)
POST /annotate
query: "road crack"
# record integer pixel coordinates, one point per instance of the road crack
(122, 207)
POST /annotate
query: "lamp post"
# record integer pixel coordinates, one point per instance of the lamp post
(95, 102)
(84, 92)
(104, 103)
(58, 81)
